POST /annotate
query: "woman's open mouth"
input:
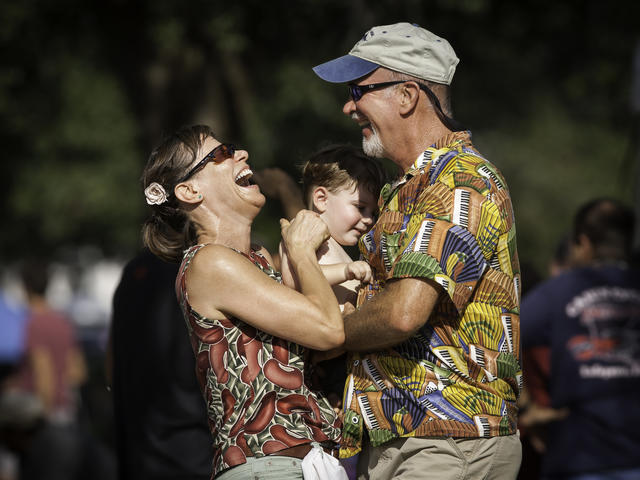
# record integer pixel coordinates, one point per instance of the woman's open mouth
(244, 178)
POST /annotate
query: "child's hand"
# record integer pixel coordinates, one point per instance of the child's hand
(358, 270)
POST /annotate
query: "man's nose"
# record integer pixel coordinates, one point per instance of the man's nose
(349, 107)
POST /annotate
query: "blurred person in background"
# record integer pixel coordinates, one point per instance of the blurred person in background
(535, 364)
(584, 325)
(561, 260)
(161, 429)
(49, 450)
(12, 332)
(530, 465)
(53, 366)
(249, 332)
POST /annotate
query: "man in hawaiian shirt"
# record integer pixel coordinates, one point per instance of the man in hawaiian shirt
(435, 348)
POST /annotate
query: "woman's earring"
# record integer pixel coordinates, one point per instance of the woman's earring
(200, 197)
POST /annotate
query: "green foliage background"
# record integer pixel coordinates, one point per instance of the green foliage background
(88, 88)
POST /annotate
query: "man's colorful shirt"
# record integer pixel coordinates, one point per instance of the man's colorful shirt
(450, 220)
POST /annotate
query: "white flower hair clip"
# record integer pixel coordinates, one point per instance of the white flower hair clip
(155, 194)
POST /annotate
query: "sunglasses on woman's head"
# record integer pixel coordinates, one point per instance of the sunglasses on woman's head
(217, 155)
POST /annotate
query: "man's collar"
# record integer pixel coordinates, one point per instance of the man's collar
(451, 141)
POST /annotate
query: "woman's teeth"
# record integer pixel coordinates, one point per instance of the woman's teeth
(243, 177)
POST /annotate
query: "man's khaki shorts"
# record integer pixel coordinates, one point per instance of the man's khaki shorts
(496, 458)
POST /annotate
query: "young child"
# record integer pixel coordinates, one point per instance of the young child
(341, 184)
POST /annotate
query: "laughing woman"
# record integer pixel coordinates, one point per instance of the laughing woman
(249, 332)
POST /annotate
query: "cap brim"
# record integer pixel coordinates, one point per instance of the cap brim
(344, 69)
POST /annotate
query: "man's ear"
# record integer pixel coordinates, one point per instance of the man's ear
(319, 197)
(187, 192)
(410, 94)
(582, 250)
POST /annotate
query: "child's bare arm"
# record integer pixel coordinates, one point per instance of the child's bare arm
(337, 273)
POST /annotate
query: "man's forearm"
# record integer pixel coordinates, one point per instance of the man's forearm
(365, 334)
(370, 328)
(392, 316)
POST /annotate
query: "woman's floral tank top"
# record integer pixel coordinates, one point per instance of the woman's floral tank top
(258, 401)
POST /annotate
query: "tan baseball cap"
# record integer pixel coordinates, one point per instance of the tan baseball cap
(402, 47)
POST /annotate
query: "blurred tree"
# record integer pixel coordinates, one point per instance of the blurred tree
(88, 88)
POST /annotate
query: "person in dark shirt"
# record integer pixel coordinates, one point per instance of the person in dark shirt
(160, 417)
(587, 320)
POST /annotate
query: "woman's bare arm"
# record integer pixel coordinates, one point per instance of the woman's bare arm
(221, 282)
(288, 276)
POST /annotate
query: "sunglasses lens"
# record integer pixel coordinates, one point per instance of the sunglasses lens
(354, 93)
(223, 152)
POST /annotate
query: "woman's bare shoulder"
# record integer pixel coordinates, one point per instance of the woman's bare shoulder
(214, 259)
